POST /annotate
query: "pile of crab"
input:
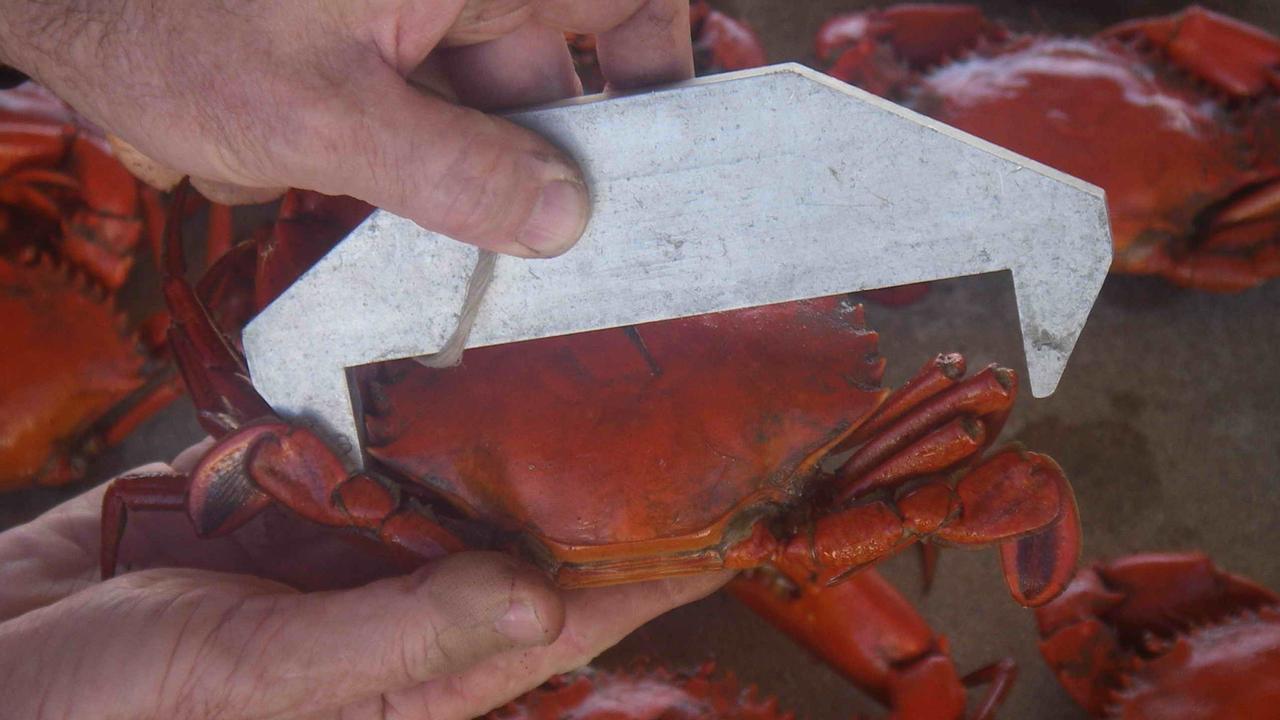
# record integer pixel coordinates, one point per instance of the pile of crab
(760, 440)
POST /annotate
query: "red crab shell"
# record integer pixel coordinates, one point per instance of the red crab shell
(68, 361)
(656, 694)
(1174, 117)
(1165, 636)
(525, 435)
(73, 377)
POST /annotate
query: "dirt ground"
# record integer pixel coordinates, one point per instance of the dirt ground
(1165, 423)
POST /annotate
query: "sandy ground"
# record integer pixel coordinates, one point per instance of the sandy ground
(1164, 423)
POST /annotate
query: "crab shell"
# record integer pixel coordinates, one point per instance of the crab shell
(1165, 636)
(640, 452)
(1174, 117)
(68, 361)
(73, 376)
(644, 694)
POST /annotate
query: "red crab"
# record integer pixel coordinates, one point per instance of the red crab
(1177, 118)
(727, 440)
(865, 629)
(74, 377)
(1165, 636)
(645, 694)
(62, 192)
(720, 44)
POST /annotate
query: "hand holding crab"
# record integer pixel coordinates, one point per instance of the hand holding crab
(458, 636)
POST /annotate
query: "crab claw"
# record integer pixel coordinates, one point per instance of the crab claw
(1023, 501)
(1037, 567)
(1235, 57)
(1091, 634)
(918, 36)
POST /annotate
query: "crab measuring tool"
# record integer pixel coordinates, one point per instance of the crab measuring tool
(737, 190)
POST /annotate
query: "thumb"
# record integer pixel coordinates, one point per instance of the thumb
(456, 171)
(326, 650)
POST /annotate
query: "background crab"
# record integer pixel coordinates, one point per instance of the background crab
(1165, 636)
(1175, 117)
(642, 694)
(75, 374)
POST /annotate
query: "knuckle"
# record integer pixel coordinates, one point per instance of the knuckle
(481, 21)
(483, 189)
(660, 13)
(574, 649)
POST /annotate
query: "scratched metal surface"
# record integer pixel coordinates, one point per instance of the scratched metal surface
(1164, 421)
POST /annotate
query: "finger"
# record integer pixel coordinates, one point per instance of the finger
(483, 20)
(154, 173)
(225, 193)
(595, 619)
(586, 16)
(186, 460)
(327, 650)
(162, 177)
(56, 554)
(651, 47)
(453, 170)
(528, 66)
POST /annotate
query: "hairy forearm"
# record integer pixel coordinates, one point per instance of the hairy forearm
(10, 55)
(58, 42)
(33, 34)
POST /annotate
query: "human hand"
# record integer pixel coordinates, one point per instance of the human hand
(452, 640)
(312, 94)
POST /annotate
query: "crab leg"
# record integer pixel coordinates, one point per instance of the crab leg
(1021, 501)
(900, 441)
(258, 459)
(865, 629)
(998, 677)
(940, 373)
(988, 393)
(938, 423)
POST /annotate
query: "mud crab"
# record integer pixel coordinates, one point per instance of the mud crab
(1165, 636)
(867, 631)
(1175, 117)
(642, 694)
(636, 453)
(75, 375)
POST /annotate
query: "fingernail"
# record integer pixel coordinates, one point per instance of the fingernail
(522, 625)
(558, 219)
